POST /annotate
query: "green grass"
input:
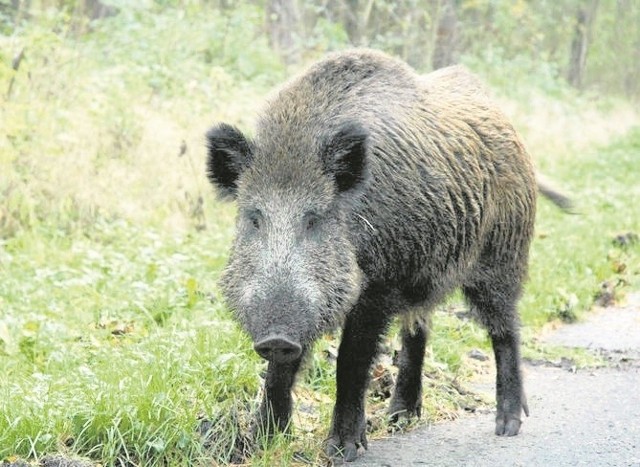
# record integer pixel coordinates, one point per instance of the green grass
(114, 342)
(573, 255)
(112, 347)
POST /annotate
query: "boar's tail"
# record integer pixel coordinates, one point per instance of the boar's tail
(546, 189)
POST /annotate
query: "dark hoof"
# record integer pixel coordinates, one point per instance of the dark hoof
(508, 424)
(400, 412)
(347, 450)
(509, 427)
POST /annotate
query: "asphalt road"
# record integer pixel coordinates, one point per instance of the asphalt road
(578, 418)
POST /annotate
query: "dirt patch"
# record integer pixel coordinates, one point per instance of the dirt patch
(613, 332)
(49, 461)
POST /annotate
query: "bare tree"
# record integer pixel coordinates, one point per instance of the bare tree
(578, 59)
(95, 9)
(627, 32)
(446, 36)
(282, 24)
(16, 10)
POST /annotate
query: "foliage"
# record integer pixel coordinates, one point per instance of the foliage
(533, 38)
(614, 58)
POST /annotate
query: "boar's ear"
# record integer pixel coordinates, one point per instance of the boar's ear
(345, 156)
(229, 154)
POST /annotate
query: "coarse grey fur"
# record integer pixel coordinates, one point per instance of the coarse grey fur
(369, 191)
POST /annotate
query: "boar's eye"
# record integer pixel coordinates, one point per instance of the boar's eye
(255, 218)
(311, 220)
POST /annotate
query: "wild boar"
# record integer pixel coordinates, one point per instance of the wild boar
(367, 192)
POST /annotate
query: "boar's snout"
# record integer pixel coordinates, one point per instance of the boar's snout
(278, 348)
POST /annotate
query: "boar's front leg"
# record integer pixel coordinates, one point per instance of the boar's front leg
(363, 328)
(275, 409)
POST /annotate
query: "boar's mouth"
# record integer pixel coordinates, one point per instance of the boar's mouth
(278, 348)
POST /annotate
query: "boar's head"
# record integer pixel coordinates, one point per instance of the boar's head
(292, 272)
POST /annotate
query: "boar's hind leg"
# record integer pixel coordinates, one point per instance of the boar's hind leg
(364, 325)
(495, 306)
(407, 396)
(275, 410)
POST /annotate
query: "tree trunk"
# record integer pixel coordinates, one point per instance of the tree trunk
(282, 22)
(351, 21)
(446, 36)
(95, 9)
(627, 18)
(580, 44)
(15, 10)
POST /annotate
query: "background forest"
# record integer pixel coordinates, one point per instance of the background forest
(115, 346)
(590, 43)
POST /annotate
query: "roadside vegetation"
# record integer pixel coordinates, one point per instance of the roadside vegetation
(115, 346)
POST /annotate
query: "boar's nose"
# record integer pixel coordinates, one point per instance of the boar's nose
(278, 349)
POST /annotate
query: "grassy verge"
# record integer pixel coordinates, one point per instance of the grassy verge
(576, 258)
(114, 344)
